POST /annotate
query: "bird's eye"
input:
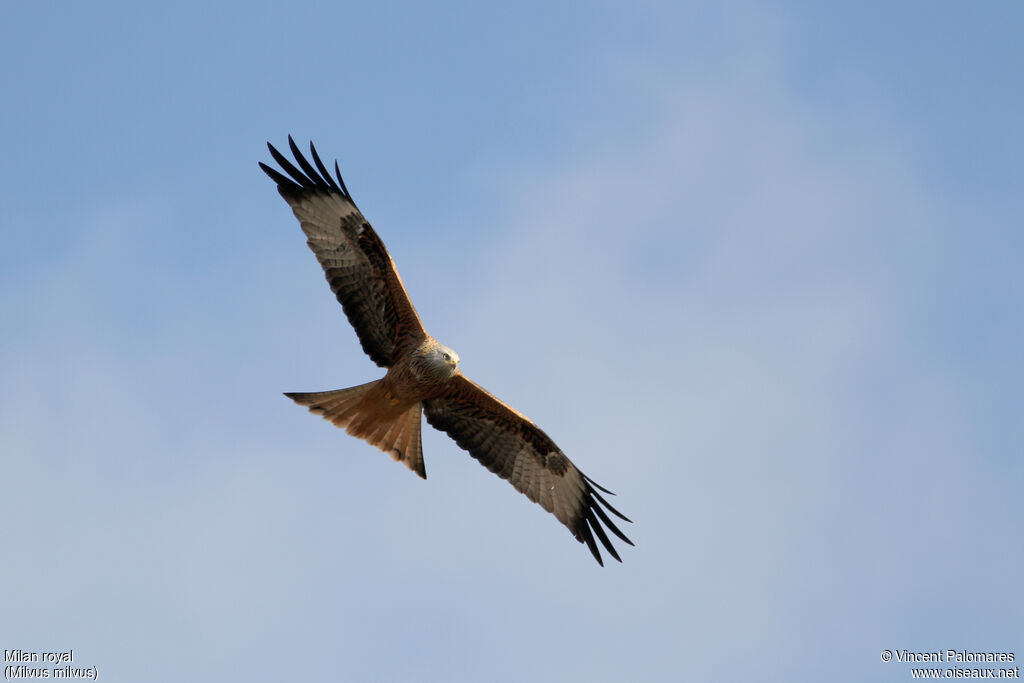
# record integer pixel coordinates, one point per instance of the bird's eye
(447, 357)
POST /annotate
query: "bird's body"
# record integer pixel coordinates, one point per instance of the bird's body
(423, 375)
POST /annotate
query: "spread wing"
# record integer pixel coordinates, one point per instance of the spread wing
(514, 448)
(357, 266)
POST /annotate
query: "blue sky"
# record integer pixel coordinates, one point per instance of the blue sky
(755, 267)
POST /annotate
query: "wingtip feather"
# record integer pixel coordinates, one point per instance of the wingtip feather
(584, 535)
(337, 172)
(305, 176)
(601, 535)
(324, 173)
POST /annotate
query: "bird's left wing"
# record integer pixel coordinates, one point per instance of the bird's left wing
(357, 266)
(510, 445)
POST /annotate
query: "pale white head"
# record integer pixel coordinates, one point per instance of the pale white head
(439, 360)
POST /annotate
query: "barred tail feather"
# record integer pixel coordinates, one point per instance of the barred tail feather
(366, 413)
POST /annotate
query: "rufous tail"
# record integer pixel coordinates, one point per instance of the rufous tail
(367, 412)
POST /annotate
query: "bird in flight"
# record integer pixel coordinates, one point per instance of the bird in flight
(423, 375)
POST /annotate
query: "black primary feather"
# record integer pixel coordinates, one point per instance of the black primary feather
(309, 177)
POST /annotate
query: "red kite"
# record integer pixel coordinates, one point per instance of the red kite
(422, 374)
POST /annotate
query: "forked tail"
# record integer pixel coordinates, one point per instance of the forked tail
(366, 412)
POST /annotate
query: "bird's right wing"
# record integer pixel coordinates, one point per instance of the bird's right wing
(357, 266)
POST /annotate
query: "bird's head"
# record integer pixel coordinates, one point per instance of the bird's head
(441, 361)
(447, 358)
